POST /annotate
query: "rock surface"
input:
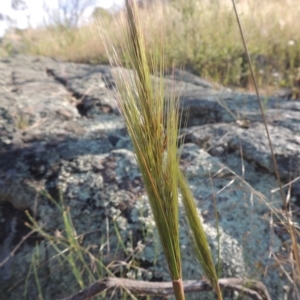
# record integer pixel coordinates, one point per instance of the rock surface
(62, 141)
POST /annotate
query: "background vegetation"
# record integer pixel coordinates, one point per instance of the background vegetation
(201, 35)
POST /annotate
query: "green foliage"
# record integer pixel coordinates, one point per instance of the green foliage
(201, 35)
(100, 13)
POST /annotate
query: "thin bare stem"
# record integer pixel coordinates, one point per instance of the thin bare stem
(291, 228)
(247, 287)
(260, 105)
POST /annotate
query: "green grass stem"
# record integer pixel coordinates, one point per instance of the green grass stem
(201, 246)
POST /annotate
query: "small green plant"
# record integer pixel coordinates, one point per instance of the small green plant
(22, 121)
(72, 256)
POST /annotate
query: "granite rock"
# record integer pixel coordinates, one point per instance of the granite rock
(64, 151)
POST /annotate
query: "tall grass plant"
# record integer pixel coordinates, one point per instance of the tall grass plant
(153, 120)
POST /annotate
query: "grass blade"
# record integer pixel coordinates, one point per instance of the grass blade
(202, 249)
